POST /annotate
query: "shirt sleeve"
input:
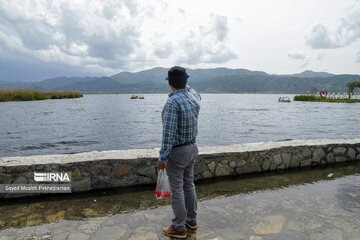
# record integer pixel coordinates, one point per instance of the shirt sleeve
(195, 93)
(169, 121)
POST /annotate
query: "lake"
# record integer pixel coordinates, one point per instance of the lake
(99, 122)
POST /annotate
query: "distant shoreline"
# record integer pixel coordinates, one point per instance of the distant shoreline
(33, 95)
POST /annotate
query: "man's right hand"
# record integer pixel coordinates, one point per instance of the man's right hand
(161, 164)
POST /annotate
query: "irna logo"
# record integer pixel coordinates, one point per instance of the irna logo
(51, 177)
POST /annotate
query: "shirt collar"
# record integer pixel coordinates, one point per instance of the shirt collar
(177, 91)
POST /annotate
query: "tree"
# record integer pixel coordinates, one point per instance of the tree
(351, 86)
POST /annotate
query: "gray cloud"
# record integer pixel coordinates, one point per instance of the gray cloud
(296, 55)
(208, 44)
(358, 57)
(345, 34)
(220, 27)
(104, 37)
(84, 33)
(304, 65)
(163, 50)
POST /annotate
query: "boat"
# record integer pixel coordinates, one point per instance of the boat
(134, 97)
(284, 99)
(141, 97)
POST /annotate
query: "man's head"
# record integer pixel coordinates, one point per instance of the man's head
(177, 77)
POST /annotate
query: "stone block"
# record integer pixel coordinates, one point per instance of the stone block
(272, 166)
(249, 168)
(74, 174)
(223, 169)
(351, 153)
(339, 151)
(224, 161)
(240, 163)
(243, 155)
(358, 157)
(21, 179)
(305, 163)
(286, 157)
(200, 167)
(212, 166)
(263, 153)
(266, 163)
(17, 169)
(232, 164)
(318, 155)
(122, 170)
(231, 156)
(306, 153)
(295, 161)
(277, 159)
(82, 185)
(150, 162)
(147, 171)
(207, 174)
(330, 158)
(6, 178)
(340, 159)
(100, 170)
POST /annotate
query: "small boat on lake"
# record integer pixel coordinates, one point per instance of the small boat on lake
(134, 97)
(284, 99)
(141, 97)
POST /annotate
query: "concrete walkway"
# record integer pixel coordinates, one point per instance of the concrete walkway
(326, 209)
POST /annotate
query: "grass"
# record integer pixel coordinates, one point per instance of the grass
(31, 95)
(312, 98)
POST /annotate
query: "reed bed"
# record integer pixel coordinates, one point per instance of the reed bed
(313, 98)
(31, 95)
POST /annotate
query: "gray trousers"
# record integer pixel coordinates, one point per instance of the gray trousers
(180, 169)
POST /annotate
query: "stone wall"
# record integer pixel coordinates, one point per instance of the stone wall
(106, 169)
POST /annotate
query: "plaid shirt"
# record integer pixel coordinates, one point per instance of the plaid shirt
(179, 119)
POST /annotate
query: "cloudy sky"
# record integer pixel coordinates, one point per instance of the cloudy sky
(43, 39)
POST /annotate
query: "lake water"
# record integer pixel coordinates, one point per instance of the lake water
(111, 122)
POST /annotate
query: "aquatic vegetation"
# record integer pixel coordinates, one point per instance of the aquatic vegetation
(30, 95)
(313, 98)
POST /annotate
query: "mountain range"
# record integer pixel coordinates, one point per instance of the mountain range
(215, 80)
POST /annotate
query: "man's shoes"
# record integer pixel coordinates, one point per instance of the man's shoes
(191, 225)
(172, 232)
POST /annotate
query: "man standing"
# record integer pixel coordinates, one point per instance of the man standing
(179, 151)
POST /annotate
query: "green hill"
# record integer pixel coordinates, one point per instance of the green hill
(216, 80)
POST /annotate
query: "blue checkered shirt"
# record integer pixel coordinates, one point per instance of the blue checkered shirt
(179, 119)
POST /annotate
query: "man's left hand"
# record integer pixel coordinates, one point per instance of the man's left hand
(161, 164)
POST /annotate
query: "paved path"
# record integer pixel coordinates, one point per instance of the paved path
(326, 209)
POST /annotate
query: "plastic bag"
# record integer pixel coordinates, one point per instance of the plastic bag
(163, 185)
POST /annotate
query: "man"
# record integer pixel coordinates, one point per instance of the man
(179, 151)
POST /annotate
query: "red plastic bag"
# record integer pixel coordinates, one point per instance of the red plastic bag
(163, 185)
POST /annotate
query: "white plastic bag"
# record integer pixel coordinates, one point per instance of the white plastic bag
(163, 185)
